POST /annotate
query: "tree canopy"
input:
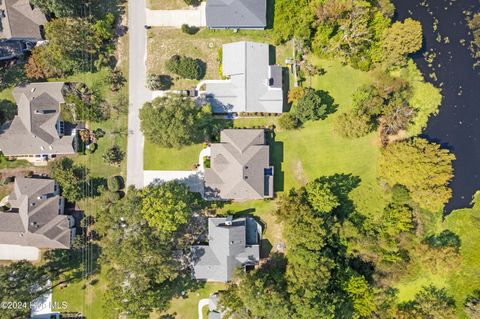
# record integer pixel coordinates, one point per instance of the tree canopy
(168, 206)
(72, 178)
(175, 121)
(72, 45)
(423, 168)
(146, 266)
(21, 282)
(401, 39)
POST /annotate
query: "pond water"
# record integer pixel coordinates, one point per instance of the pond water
(457, 126)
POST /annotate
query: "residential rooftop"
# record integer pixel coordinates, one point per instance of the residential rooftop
(236, 14)
(36, 129)
(253, 85)
(232, 243)
(240, 166)
(36, 216)
(19, 20)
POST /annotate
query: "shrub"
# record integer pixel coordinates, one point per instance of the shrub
(99, 133)
(114, 183)
(114, 155)
(158, 82)
(446, 238)
(115, 79)
(314, 105)
(352, 124)
(7, 180)
(288, 121)
(189, 29)
(185, 67)
(194, 3)
(92, 148)
(112, 197)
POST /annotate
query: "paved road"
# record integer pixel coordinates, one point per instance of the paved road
(138, 94)
(175, 18)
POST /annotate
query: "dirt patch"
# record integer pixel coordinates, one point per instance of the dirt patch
(166, 4)
(300, 174)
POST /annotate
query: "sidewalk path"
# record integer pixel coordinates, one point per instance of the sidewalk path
(175, 18)
(202, 303)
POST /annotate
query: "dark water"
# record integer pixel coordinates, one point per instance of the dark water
(457, 126)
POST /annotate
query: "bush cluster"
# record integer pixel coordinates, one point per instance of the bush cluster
(185, 67)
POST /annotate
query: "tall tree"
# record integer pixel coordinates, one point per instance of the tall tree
(143, 270)
(423, 168)
(168, 206)
(429, 303)
(259, 294)
(175, 121)
(72, 178)
(401, 39)
(20, 283)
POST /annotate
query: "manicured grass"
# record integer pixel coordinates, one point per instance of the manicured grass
(461, 278)
(86, 297)
(263, 210)
(187, 308)
(163, 43)
(255, 121)
(114, 135)
(6, 94)
(162, 158)
(166, 4)
(316, 150)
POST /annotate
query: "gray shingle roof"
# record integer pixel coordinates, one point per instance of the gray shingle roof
(227, 249)
(238, 163)
(36, 220)
(236, 14)
(33, 131)
(252, 85)
(20, 21)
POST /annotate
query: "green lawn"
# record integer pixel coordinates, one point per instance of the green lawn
(162, 158)
(263, 210)
(86, 297)
(187, 308)
(115, 135)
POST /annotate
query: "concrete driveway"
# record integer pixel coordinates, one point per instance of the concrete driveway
(16, 252)
(175, 18)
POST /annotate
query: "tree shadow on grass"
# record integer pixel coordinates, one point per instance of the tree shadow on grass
(329, 101)
(270, 13)
(276, 159)
(341, 185)
(203, 69)
(8, 109)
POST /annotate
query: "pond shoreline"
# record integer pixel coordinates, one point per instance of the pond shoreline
(457, 126)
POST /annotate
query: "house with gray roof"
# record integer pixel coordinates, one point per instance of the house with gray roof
(232, 244)
(236, 14)
(240, 166)
(36, 216)
(37, 131)
(251, 85)
(19, 20)
(21, 27)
